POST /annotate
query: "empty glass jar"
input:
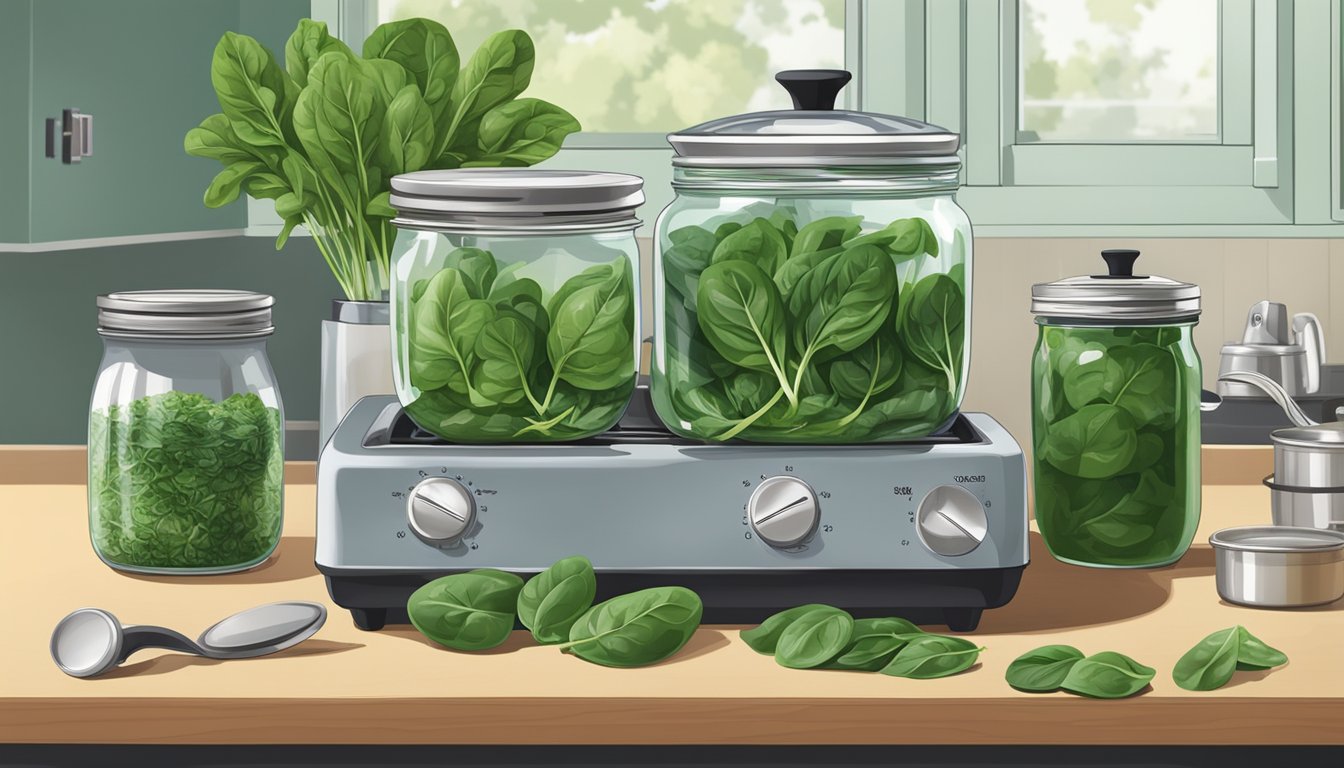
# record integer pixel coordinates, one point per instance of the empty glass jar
(515, 302)
(186, 433)
(1115, 416)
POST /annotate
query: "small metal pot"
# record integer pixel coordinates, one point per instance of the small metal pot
(1279, 566)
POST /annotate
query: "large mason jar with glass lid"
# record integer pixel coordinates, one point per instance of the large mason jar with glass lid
(186, 433)
(812, 277)
(1115, 416)
(515, 311)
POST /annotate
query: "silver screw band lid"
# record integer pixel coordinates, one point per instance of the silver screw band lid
(1119, 297)
(524, 200)
(185, 314)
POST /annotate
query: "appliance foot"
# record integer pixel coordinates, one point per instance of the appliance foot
(369, 619)
(962, 619)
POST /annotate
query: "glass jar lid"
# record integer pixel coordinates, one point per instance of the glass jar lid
(185, 314)
(814, 133)
(516, 200)
(1119, 297)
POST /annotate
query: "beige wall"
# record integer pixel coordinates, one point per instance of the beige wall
(1307, 275)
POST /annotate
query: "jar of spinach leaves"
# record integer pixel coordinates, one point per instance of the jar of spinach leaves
(1115, 416)
(812, 277)
(186, 433)
(515, 309)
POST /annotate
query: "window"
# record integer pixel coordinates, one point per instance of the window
(636, 66)
(1122, 112)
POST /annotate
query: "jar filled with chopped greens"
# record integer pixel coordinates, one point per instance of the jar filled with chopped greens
(186, 433)
(812, 277)
(515, 302)
(1115, 416)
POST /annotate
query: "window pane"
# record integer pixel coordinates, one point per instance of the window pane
(651, 65)
(1118, 70)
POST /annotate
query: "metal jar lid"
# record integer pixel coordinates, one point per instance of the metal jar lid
(1119, 297)
(516, 200)
(1329, 436)
(1277, 538)
(185, 314)
(814, 134)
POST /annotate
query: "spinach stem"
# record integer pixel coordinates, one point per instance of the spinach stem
(749, 420)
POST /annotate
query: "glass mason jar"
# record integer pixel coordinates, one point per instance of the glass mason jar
(812, 278)
(186, 433)
(515, 303)
(1115, 417)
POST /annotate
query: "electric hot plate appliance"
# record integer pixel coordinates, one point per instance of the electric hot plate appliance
(934, 530)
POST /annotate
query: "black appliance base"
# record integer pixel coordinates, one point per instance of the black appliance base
(955, 598)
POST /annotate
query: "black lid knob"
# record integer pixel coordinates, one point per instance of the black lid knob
(813, 89)
(1120, 262)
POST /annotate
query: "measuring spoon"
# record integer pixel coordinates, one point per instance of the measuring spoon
(91, 641)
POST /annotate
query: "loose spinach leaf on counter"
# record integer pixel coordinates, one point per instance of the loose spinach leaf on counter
(1107, 675)
(466, 611)
(637, 629)
(554, 599)
(873, 643)
(933, 656)
(1212, 662)
(814, 638)
(1044, 669)
(765, 637)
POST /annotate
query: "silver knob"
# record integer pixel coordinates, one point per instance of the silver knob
(783, 511)
(951, 521)
(440, 509)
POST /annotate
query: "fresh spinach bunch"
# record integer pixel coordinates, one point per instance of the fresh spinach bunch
(495, 360)
(178, 480)
(1211, 663)
(1105, 675)
(476, 610)
(775, 332)
(324, 135)
(816, 636)
(1112, 485)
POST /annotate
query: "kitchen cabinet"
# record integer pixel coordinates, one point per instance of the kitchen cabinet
(141, 68)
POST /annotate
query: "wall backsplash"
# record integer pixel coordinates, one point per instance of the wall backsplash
(53, 350)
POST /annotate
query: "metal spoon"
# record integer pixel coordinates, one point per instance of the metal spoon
(91, 641)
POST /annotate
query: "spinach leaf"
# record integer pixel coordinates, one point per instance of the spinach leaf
(686, 255)
(871, 370)
(874, 643)
(758, 243)
(792, 270)
(1254, 653)
(590, 342)
(1044, 669)
(554, 599)
(814, 638)
(1124, 524)
(841, 302)
(510, 293)
(1210, 663)
(478, 269)
(764, 638)
(445, 324)
(1149, 383)
(506, 347)
(931, 321)
(1096, 442)
(902, 237)
(253, 91)
(338, 119)
(466, 611)
(743, 317)
(308, 42)
(828, 232)
(425, 49)
(933, 656)
(1095, 378)
(499, 70)
(1107, 675)
(637, 629)
(521, 132)
(408, 133)
(691, 361)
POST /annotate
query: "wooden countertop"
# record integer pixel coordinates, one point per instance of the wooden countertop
(348, 686)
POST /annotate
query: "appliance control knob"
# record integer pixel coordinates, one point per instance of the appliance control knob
(440, 509)
(951, 521)
(783, 511)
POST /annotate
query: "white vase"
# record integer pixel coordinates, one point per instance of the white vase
(356, 360)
